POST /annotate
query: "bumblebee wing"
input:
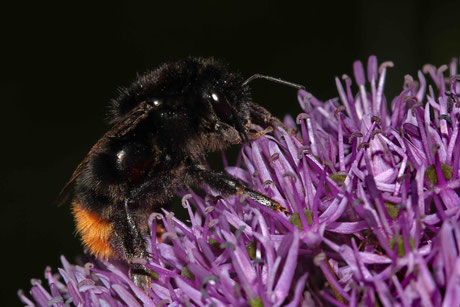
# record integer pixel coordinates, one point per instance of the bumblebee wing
(65, 192)
(131, 120)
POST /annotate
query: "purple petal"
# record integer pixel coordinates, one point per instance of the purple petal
(359, 73)
(372, 68)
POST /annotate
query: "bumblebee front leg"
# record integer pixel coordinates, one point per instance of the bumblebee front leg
(228, 185)
(132, 244)
(262, 117)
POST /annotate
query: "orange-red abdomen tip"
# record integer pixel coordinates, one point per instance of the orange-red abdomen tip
(95, 232)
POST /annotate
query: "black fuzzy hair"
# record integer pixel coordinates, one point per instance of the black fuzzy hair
(181, 78)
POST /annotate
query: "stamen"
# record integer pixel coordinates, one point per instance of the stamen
(363, 145)
(376, 119)
(353, 136)
(339, 110)
(302, 150)
(375, 132)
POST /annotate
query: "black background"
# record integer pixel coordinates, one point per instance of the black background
(60, 65)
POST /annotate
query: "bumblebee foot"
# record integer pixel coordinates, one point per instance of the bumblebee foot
(255, 135)
(278, 207)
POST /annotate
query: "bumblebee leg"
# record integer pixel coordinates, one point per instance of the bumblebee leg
(141, 276)
(255, 135)
(262, 117)
(133, 246)
(228, 185)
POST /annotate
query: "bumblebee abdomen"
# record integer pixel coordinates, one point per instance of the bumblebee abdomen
(96, 233)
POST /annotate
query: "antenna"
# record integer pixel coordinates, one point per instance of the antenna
(276, 80)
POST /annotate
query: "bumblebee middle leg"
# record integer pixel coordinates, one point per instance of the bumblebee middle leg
(228, 185)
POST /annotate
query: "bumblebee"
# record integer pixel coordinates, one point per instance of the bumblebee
(163, 125)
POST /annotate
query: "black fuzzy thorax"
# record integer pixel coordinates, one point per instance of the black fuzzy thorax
(179, 81)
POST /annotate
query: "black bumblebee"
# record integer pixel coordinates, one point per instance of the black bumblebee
(164, 123)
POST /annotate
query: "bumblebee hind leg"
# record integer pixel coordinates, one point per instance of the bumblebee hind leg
(132, 245)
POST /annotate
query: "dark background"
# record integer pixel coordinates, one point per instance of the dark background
(60, 65)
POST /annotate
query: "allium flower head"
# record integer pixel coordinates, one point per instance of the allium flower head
(373, 188)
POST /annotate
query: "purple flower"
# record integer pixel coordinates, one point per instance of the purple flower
(374, 196)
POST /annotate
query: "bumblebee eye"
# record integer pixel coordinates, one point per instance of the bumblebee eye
(221, 106)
